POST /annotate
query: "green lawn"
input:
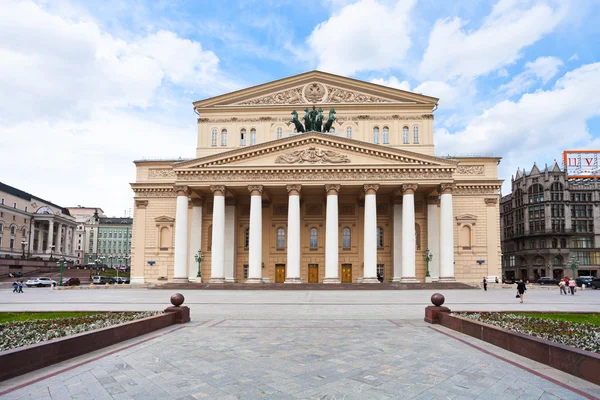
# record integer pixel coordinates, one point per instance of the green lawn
(112, 272)
(29, 316)
(593, 319)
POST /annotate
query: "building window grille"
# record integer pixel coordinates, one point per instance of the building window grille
(279, 133)
(214, 137)
(380, 237)
(376, 135)
(346, 238)
(252, 136)
(281, 238)
(224, 137)
(349, 132)
(243, 137)
(245, 271)
(386, 135)
(415, 134)
(405, 135)
(380, 270)
(314, 238)
(246, 238)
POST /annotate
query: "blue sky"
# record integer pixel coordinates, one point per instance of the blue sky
(88, 86)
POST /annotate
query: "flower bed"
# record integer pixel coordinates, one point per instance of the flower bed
(24, 333)
(579, 335)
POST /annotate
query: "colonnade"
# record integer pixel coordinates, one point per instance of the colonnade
(51, 247)
(440, 237)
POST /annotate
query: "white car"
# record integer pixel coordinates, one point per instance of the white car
(39, 282)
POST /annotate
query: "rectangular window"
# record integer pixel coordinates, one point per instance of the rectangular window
(2, 200)
(12, 244)
(245, 271)
(380, 269)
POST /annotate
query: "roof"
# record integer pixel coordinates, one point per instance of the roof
(115, 221)
(28, 197)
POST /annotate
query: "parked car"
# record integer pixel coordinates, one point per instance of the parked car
(40, 282)
(595, 283)
(585, 280)
(546, 280)
(509, 281)
(71, 282)
(122, 279)
(103, 280)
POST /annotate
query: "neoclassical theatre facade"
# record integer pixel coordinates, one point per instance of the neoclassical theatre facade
(357, 195)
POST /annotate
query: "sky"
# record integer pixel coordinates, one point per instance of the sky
(86, 87)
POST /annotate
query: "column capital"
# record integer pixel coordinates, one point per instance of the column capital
(141, 203)
(409, 188)
(182, 190)
(491, 201)
(447, 188)
(433, 200)
(218, 190)
(255, 190)
(293, 189)
(371, 188)
(332, 189)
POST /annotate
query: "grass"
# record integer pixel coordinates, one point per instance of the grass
(592, 319)
(113, 273)
(30, 316)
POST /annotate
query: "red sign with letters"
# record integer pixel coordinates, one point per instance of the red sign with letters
(582, 163)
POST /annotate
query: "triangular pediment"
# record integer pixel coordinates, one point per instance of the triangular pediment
(316, 87)
(164, 219)
(315, 148)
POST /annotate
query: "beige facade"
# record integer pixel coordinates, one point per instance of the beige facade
(33, 227)
(265, 203)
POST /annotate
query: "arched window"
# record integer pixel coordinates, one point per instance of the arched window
(214, 137)
(281, 238)
(346, 238)
(24, 233)
(386, 135)
(556, 191)
(465, 236)
(279, 133)
(252, 136)
(165, 238)
(376, 135)
(379, 236)
(557, 260)
(246, 238)
(224, 137)
(405, 135)
(314, 238)
(349, 132)
(13, 230)
(243, 137)
(415, 134)
(536, 193)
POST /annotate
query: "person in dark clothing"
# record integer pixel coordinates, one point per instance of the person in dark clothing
(484, 284)
(521, 288)
(16, 287)
(21, 287)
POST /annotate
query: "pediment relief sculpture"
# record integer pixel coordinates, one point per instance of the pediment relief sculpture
(315, 92)
(312, 155)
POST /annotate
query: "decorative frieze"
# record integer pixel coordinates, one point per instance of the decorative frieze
(161, 173)
(470, 190)
(154, 192)
(312, 155)
(470, 170)
(340, 119)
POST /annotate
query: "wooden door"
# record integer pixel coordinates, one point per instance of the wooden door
(313, 273)
(346, 273)
(279, 273)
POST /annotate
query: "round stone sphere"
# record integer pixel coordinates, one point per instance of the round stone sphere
(177, 299)
(437, 299)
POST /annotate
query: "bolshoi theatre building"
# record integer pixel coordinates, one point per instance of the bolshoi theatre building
(316, 178)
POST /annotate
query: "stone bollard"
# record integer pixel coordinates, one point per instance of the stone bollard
(432, 313)
(182, 313)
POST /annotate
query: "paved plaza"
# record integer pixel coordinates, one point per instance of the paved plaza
(299, 345)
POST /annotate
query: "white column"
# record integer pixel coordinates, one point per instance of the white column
(255, 245)
(40, 238)
(293, 235)
(446, 234)
(397, 241)
(409, 244)
(370, 235)
(74, 244)
(217, 256)
(59, 239)
(50, 241)
(195, 237)
(181, 235)
(332, 235)
(433, 238)
(493, 239)
(229, 259)
(31, 237)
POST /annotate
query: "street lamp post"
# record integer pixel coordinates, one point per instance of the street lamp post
(61, 263)
(574, 265)
(199, 258)
(427, 257)
(23, 244)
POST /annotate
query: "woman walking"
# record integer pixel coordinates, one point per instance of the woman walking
(563, 287)
(521, 288)
(572, 286)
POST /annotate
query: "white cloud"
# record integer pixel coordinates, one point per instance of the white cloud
(454, 51)
(392, 82)
(367, 35)
(450, 96)
(574, 57)
(537, 127)
(542, 69)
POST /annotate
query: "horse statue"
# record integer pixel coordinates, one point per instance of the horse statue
(297, 123)
(330, 120)
(306, 119)
(319, 120)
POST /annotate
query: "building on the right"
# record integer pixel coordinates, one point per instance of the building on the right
(550, 225)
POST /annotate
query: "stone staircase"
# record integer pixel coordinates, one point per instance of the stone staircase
(313, 286)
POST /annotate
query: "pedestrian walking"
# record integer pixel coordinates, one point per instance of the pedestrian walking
(15, 287)
(572, 286)
(563, 287)
(484, 284)
(21, 287)
(521, 288)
